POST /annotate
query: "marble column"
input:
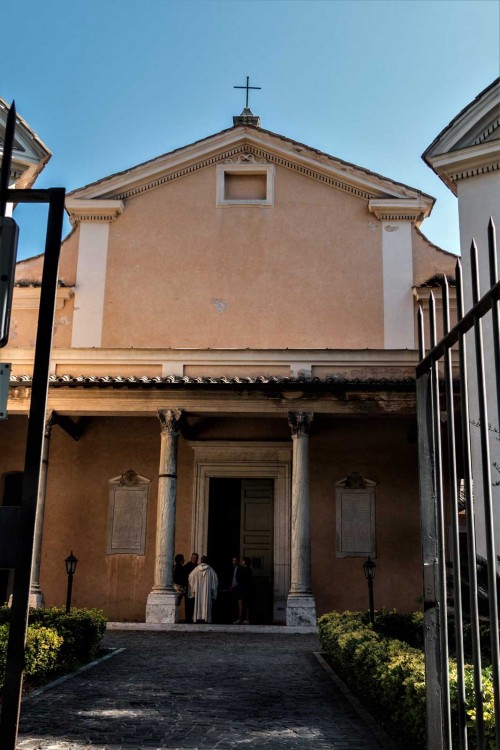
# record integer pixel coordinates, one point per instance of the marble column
(36, 594)
(161, 604)
(301, 606)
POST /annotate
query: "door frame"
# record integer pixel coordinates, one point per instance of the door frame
(248, 460)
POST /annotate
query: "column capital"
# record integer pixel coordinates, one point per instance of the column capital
(300, 422)
(169, 420)
(50, 421)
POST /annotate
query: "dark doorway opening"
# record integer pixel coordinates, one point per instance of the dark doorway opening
(11, 495)
(240, 524)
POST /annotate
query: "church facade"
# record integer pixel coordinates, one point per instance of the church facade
(232, 374)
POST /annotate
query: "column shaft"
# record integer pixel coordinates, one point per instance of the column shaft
(301, 607)
(161, 604)
(36, 594)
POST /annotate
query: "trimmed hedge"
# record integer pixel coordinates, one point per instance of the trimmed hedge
(56, 641)
(389, 676)
(43, 647)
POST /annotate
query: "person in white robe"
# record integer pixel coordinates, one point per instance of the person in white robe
(202, 586)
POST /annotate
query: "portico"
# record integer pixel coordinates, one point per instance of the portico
(188, 432)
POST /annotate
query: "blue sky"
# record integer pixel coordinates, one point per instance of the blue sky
(107, 84)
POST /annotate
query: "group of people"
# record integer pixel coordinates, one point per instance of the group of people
(197, 582)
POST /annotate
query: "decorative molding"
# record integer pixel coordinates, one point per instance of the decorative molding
(399, 209)
(248, 169)
(486, 133)
(93, 210)
(478, 159)
(169, 420)
(127, 514)
(246, 158)
(300, 422)
(353, 479)
(258, 153)
(129, 478)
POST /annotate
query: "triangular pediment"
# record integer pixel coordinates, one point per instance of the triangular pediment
(471, 141)
(249, 145)
(29, 155)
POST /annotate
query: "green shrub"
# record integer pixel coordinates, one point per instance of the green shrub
(43, 646)
(80, 633)
(389, 675)
(81, 629)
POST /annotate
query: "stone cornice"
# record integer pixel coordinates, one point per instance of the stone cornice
(28, 298)
(415, 210)
(93, 210)
(475, 160)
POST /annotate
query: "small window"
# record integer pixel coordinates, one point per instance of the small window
(245, 185)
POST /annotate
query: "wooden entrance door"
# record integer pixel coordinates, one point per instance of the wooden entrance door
(256, 529)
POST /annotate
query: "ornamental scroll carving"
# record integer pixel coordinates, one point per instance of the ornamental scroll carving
(300, 422)
(355, 481)
(245, 158)
(169, 420)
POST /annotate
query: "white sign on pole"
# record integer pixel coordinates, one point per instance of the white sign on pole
(4, 388)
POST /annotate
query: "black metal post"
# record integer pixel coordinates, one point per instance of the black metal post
(36, 424)
(370, 598)
(68, 593)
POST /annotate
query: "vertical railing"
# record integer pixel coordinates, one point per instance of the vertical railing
(434, 394)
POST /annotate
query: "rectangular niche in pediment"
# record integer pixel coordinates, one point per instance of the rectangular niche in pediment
(355, 502)
(127, 516)
(245, 180)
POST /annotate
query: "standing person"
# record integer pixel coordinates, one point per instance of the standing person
(180, 577)
(187, 570)
(244, 577)
(202, 587)
(233, 587)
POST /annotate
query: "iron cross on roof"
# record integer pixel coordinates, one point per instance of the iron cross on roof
(247, 87)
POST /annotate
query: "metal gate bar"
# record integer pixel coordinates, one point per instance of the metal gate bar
(432, 503)
(470, 518)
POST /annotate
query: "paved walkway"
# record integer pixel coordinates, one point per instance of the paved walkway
(195, 690)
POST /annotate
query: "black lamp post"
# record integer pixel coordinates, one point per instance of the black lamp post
(71, 562)
(369, 571)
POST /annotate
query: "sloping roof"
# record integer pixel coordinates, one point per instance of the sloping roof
(474, 111)
(30, 154)
(117, 381)
(470, 143)
(373, 184)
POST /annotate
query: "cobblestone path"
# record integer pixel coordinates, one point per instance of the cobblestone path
(181, 690)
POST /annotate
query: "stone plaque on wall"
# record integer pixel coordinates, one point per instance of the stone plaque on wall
(355, 500)
(128, 504)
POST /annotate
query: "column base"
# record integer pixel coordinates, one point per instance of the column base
(301, 610)
(162, 607)
(36, 599)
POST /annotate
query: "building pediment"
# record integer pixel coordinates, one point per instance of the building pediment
(251, 146)
(470, 144)
(29, 155)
